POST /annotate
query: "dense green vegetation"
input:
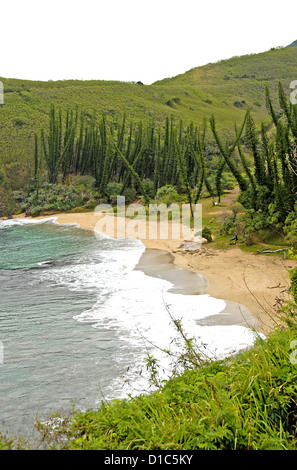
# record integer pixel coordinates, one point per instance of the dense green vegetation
(246, 403)
(81, 150)
(171, 162)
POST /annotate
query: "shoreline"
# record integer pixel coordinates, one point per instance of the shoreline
(249, 284)
(161, 264)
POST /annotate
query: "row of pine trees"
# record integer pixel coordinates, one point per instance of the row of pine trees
(174, 154)
(267, 177)
(123, 152)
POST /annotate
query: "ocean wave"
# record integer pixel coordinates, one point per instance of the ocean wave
(142, 312)
(140, 308)
(16, 222)
(47, 220)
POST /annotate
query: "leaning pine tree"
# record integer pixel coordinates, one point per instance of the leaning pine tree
(54, 145)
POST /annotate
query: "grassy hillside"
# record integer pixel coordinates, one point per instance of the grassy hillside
(225, 89)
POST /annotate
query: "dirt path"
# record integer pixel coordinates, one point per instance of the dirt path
(231, 196)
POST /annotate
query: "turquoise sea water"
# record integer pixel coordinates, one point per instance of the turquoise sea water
(51, 360)
(76, 321)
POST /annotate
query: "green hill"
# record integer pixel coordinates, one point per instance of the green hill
(224, 89)
(294, 43)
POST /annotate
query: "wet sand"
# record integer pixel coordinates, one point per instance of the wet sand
(161, 264)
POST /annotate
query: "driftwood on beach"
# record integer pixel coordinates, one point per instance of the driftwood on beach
(273, 251)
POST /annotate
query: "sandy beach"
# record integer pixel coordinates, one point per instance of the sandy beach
(253, 281)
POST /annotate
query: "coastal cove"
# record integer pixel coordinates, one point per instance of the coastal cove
(94, 306)
(148, 232)
(252, 282)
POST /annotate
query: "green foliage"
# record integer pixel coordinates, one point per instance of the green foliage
(130, 195)
(293, 287)
(228, 182)
(113, 189)
(206, 233)
(58, 145)
(51, 197)
(227, 151)
(5, 443)
(174, 164)
(247, 402)
(244, 402)
(290, 230)
(269, 197)
(10, 443)
(199, 93)
(149, 188)
(168, 195)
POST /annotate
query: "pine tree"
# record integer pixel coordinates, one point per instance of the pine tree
(219, 173)
(199, 158)
(37, 169)
(54, 148)
(133, 173)
(269, 106)
(253, 144)
(182, 170)
(157, 176)
(227, 151)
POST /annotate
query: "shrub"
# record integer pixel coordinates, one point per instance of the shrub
(51, 197)
(149, 188)
(168, 195)
(228, 181)
(113, 189)
(35, 211)
(206, 233)
(130, 195)
(290, 230)
(293, 288)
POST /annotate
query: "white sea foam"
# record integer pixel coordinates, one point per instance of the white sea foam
(48, 220)
(141, 311)
(15, 222)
